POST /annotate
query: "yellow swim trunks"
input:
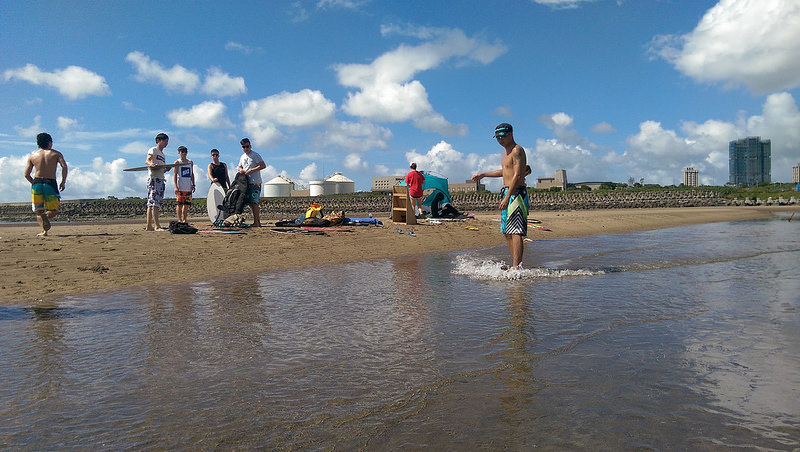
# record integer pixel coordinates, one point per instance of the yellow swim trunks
(44, 193)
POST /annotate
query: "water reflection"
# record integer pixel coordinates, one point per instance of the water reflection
(693, 343)
(516, 354)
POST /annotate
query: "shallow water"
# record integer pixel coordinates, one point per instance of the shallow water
(678, 338)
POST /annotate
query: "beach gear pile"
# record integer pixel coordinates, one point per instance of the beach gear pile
(313, 217)
(178, 227)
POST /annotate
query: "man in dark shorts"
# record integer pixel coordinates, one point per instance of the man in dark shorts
(414, 180)
(44, 189)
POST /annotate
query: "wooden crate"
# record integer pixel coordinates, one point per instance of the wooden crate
(402, 208)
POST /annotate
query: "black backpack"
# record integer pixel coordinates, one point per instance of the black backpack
(234, 199)
(177, 227)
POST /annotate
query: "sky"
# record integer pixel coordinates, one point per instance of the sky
(606, 89)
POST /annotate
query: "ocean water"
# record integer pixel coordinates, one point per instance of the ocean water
(682, 338)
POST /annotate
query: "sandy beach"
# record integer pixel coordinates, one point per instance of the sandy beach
(97, 257)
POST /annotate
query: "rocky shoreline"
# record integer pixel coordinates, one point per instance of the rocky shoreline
(93, 210)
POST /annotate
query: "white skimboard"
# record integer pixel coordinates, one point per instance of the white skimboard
(145, 168)
(215, 196)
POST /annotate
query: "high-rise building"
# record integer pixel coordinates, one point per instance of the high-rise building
(796, 174)
(750, 161)
(690, 177)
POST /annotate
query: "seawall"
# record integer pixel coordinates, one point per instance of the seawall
(90, 210)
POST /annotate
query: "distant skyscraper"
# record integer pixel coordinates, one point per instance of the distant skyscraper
(750, 161)
(690, 178)
(796, 174)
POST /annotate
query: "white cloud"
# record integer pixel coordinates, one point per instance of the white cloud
(13, 186)
(550, 155)
(221, 84)
(207, 115)
(386, 91)
(561, 4)
(503, 110)
(353, 162)
(304, 108)
(659, 154)
(442, 159)
(177, 78)
(32, 130)
(753, 43)
(74, 82)
(65, 123)
(561, 124)
(136, 148)
(238, 47)
(557, 120)
(353, 136)
(130, 106)
(346, 4)
(603, 127)
(309, 173)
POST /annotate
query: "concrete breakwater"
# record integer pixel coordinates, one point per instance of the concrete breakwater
(86, 210)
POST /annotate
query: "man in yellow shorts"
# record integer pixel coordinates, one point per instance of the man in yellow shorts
(44, 190)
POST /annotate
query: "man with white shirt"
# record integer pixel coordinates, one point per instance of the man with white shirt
(156, 183)
(251, 164)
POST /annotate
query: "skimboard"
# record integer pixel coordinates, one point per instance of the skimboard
(317, 228)
(145, 168)
(220, 231)
(213, 202)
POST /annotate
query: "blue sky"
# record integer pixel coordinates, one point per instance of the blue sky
(605, 89)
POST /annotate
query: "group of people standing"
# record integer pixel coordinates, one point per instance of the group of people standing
(46, 196)
(250, 165)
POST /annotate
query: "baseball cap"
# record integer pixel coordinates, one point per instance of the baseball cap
(413, 166)
(503, 130)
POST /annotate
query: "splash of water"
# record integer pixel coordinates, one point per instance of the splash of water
(483, 268)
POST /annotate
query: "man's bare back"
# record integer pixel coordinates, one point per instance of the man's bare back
(44, 191)
(45, 162)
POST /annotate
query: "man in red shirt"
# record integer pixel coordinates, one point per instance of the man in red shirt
(414, 180)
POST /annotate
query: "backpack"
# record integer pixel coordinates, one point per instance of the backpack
(234, 199)
(177, 227)
(314, 211)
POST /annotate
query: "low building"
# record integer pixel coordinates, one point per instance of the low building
(591, 185)
(385, 183)
(468, 186)
(559, 180)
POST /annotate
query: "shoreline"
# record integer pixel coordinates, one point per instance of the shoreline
(79, 258)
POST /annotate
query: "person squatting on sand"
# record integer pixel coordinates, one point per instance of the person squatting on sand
(251, 164)
(44, 191)
(155, 182)
(183, 178)
(514, 205)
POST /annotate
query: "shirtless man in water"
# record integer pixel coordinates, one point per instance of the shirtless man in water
(514, 205)
(44, 191)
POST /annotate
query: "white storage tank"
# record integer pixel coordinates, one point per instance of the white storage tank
(316, 188)
(278, 187)
(341, 184)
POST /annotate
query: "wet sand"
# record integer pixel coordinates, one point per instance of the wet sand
(96, 257)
